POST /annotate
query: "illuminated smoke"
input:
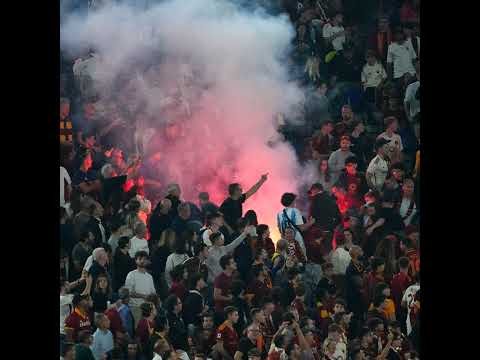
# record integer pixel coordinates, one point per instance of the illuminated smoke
(217, 74)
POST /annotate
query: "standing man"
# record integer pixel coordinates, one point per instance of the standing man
(78, 320)
(400, 58)
(290, 216)
(222, 286)
(232, 208)
(377, 170)
(323, 208)
(227, 337)
(140, 284)
(336, 162)
(395, 146)
(334, 32)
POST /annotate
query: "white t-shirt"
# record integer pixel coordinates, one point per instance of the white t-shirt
(88, 263)
(340, 259)
(141, 283)
(65, 309)
(63, 177)
(410, 98)
(137, 244)
(408, 42)
(378, 167)
(172, 261)
(401, 56)
(394, 147)
(404, 206)
(296, 217)
(373, 75)
(409, 298)
(329, 30)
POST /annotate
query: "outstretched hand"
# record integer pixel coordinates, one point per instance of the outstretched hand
(265, 177)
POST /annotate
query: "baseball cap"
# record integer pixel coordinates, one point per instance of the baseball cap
(380, 142)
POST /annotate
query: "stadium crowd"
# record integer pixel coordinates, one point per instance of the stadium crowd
(162, 277)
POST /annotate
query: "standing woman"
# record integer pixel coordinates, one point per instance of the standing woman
(101, 293)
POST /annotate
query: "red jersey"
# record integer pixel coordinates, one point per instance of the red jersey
(298, 305)
(116, 324)
(224, 283)
(78, 321)
(260, 290)
(229, 337)
(144, 330)
(398, 285)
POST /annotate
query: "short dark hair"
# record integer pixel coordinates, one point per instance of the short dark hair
(198, 248)
(380, 287)
(404, 262)
(342, 302)
(177, 272)
(161, 323)
(194, 279)
(212, 216)
(123, 242)
(170, 302)
(377, 262)
(351, 160)
(232, 188)
(267, 300)
(208, 314)
(84, 235)
(379, 299)
(230, 310)
(321, 293)
(141, 254)
(254, 312)
(225, 260)
(214, 236)
(373, 323)
(288, 199)
(146, 309)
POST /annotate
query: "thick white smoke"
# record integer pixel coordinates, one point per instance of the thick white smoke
(215, 74)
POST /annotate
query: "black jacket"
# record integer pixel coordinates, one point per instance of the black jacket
(178, 332)
(325, 211)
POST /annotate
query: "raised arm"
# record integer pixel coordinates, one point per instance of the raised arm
(257, 186)
(230, 247)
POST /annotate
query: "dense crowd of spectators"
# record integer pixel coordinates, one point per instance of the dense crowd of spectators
(162, 277)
